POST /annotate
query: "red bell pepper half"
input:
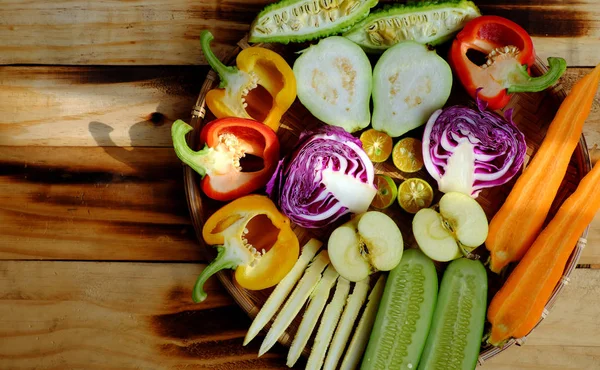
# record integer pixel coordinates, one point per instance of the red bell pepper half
(239, 156)
(509, 55)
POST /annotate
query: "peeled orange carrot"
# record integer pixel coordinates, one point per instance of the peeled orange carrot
(518, 222)
(518, 306)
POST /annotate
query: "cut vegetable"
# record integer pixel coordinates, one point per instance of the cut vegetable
(460, 227)
(529, 201)
(326, 176)
(370, 241)
(334, 80)
(467, 150)
(361, 335)
(426, 22)
(344, 328)
(377, 145)
(226, 142)
(386, 192)
(259, 262)
(410, 82)
(414, 194)
(295, 302)
(457, 327)
(317, 302)
(404, 315)
(256, 66)
(282, 289)
(303, 20)
(408, 155)
(509, 57)
(433, 238)
(530, 285)
(328, 323)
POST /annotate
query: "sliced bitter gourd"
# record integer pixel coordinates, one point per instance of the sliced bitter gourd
(426, 22)
(457, 327)
(303, 20)
(334, 81)
(404, 315)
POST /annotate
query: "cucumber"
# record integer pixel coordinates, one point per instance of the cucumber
(404, 315)
(410, 82)
(303, 20)
(457, 328)
(426, 22)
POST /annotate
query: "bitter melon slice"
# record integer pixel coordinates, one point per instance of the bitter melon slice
(426, 22)
(302, 20)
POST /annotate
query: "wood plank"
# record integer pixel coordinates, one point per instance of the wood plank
(60, 315)
(154, 32)
(95, 106)
(122, 106)
(119, 32)
(57, 315)
(107, 203)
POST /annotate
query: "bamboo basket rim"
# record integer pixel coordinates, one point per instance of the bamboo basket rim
(194, 199)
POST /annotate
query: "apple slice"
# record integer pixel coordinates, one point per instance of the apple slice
(459, 227)
(433, 237)
(369, 242)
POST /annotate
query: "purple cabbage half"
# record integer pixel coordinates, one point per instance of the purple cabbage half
(326, 176)
(467, 150)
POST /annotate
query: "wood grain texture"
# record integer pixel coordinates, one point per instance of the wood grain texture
(95, 106)
(82, 315)
(63, 315)
(109, 203)
(154, 32)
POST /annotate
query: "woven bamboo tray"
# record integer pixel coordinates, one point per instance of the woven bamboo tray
(533, 112)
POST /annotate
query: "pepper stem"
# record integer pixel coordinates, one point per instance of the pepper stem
(224, 71)
(223, 261)
(523, 82)
(183, 151)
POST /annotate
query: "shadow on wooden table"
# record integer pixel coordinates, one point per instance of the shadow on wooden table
(101, 133)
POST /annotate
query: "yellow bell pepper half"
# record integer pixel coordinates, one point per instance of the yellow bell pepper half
(256, 67)
(253, 238)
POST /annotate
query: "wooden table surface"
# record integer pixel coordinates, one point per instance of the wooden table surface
(97, 252)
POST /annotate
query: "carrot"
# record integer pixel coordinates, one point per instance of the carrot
(520, 219)
(518, 306)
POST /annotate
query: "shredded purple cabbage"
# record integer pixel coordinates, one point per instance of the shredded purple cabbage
(298, 186)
